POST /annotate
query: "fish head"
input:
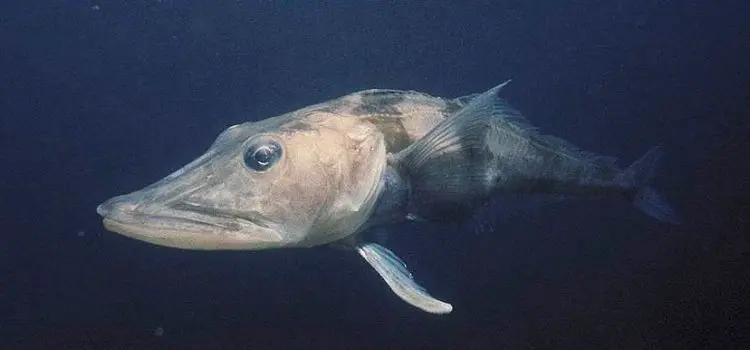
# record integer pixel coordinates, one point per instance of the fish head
(297, 180)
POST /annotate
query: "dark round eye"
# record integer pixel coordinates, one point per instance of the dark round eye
(262, 155)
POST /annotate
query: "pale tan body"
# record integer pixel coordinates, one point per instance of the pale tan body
(322, 191)
(329, 171)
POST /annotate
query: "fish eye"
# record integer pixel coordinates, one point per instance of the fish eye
(262, 155)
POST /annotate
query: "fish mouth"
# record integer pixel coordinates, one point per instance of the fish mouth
(187, 225)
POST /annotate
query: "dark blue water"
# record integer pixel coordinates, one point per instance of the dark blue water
(101, 98)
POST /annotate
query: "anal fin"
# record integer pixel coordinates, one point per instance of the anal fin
(399, 279)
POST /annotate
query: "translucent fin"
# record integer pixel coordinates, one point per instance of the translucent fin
(649, 201)
(444, 175)
(464, 100)
(642, 171)
(394, 272)
(646, 198)
(463, 130)
(489, 105)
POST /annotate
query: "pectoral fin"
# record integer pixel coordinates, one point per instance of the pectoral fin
(455, 165)
(394, 272)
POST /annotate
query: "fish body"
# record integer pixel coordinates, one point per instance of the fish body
(328, 173)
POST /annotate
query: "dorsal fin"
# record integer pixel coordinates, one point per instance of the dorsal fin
(488, 146)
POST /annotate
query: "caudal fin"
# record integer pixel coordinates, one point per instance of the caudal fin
(646, 198)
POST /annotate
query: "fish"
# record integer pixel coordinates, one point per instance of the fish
(330, 173)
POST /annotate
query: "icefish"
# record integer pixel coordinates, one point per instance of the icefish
(331, 172)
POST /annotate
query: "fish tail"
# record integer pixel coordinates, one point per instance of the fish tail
(639, 176)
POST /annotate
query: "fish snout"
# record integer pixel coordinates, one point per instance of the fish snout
(180, 224)
(114, 204)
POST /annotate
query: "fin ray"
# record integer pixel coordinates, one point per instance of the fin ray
(393, 271)
(639, 176)
(490, 105)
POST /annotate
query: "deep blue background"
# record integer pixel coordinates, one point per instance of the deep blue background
(101, 98)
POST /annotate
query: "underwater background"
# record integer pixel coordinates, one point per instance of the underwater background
(99, 98)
